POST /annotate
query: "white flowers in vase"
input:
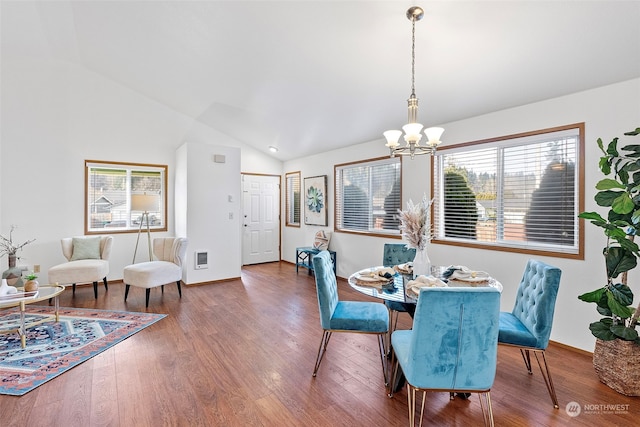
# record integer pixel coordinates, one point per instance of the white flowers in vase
(415, 223)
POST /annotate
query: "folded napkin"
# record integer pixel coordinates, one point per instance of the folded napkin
(405, 268)
(413, 286)
(465, 274)
(385, 272)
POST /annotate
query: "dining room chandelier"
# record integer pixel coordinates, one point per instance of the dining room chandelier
(412, 130)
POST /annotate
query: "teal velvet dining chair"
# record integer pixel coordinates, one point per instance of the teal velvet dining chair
(452, 347)
(346, 316)
(528, 326)
(394, 254)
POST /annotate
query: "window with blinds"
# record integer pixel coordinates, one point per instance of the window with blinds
(292, 199)
(368, 196)
(110, 189)
(519, 193)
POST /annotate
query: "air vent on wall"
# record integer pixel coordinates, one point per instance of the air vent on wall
(201, 259)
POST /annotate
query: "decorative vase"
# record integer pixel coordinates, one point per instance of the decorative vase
(617, 363)
(421, 263)
(31, 285)
(13, 274)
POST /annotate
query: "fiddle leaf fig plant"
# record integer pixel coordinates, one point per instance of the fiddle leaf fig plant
(620, 193)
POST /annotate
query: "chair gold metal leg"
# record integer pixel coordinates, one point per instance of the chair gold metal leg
(411, 403)
(383, 358)
(487, 410)
(527, 359)
(424, 398)
(393, 373)
(393, 322)
(547, 378)
(326, 335)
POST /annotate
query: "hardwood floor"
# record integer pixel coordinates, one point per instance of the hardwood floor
(241, 353)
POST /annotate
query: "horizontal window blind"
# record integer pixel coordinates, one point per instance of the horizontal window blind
(368, 196)
(293, 198)
(109, 191)
(520, 193)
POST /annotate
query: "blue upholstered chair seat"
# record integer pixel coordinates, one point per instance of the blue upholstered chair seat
(360, 316)
(513, 331)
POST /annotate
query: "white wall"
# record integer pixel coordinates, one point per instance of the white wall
(54, 116)
(607, 112)
(209, 210)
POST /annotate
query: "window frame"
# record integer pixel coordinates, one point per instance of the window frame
(514, 248)
(290, 206)
(128, 166)
(393, 234)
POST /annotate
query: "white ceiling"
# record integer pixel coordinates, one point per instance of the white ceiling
(310, 76)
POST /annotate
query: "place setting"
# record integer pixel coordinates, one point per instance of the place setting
(378, 278)
(454, 275)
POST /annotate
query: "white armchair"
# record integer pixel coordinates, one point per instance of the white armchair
(170, 253)
(88, 262)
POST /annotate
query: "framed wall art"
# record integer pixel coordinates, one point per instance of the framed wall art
(315, 200)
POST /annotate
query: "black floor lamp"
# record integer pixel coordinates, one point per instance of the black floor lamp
(144, 203)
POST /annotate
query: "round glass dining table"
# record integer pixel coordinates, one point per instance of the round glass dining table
(394, 290)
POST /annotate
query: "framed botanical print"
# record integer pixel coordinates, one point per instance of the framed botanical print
(315, 200)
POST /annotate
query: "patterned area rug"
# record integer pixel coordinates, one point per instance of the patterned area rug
(53, 348)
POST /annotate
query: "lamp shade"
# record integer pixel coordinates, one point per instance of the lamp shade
(392, 137)
(144, 202)
(433, 134)
(412, 132)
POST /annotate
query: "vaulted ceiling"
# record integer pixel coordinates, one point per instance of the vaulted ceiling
(309, 76)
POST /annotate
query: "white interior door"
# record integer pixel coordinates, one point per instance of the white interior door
(261, 219)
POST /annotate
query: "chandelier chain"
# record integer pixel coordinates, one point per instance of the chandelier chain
(413, 58)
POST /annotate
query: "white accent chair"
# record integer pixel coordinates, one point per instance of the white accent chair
(170, 253)
(88, 267)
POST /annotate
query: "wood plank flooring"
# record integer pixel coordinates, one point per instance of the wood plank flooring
(241, 353)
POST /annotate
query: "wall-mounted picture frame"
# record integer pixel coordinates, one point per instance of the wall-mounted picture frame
(315, 200)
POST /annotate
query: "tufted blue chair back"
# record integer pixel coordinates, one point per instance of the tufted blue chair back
(536, 300)
(326, 287)
(454, 342)
(397, 253)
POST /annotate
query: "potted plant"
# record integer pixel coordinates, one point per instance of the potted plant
(31, 284)
(616, 356)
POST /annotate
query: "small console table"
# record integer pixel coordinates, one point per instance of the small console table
(304, 258)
